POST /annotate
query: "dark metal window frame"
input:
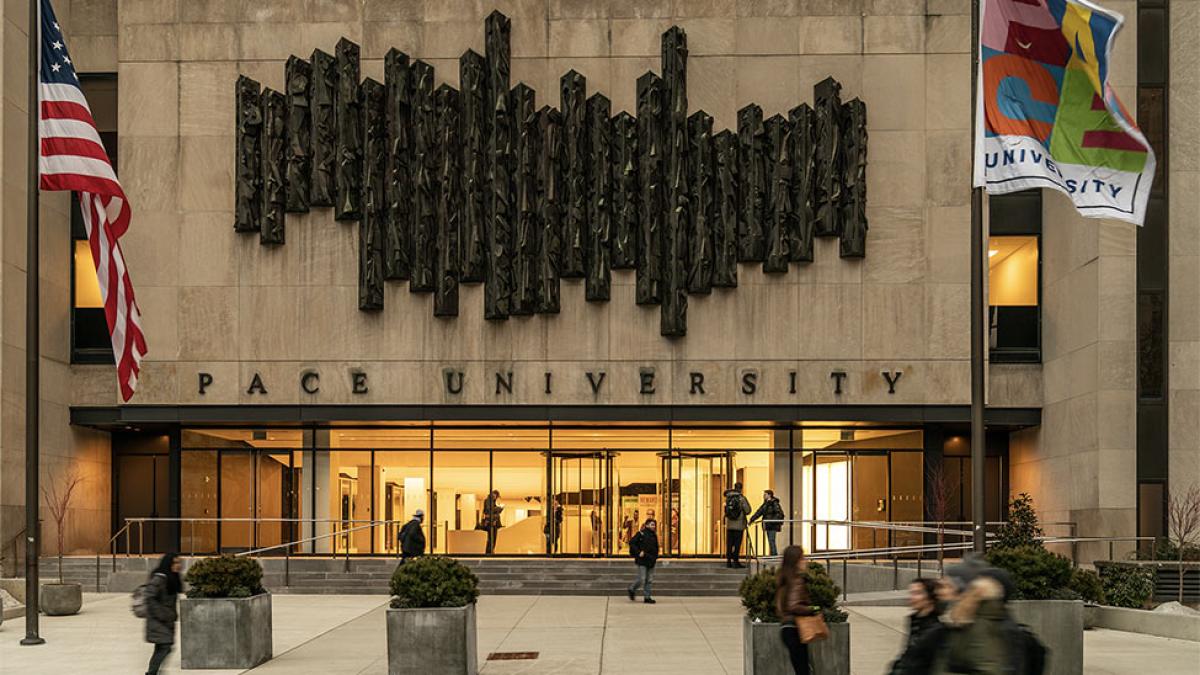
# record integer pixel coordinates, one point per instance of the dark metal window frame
(1001, 229)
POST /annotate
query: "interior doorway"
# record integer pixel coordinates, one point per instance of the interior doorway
(580, 483)
(693, 486)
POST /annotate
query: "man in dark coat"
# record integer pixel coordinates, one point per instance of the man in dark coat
(162, 589)
(643, 546)
(772, 516)
(412, 538)
(553, 527)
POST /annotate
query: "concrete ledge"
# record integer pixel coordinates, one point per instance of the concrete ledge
(1145, 622)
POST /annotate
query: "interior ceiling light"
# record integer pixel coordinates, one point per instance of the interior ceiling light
(993, 251)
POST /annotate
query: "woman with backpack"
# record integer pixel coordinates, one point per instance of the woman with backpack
(158, 598)
(771, 513)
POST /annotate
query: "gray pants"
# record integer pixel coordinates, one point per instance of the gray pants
(645, 579)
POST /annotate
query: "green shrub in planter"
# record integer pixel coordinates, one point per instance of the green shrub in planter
(1087, 585)
(224, 577)
(1022, 528)
(1037, 573)
(433, 581)
(824, 592)
(1129, 586)
(758, 594)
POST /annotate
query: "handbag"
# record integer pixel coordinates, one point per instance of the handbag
(812, 628)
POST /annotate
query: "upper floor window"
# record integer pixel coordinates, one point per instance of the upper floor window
(1015, 277)
(90, 341)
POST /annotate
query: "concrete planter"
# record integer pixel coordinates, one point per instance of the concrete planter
(225, 633)
(60, 599)
(763, 652)
(432, 640)
(1059, 625)
(1091, 613)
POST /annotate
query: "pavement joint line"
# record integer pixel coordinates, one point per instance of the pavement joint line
(875, 621)
(500, 645)
(603, 633)
(707, 641)
(324, 633)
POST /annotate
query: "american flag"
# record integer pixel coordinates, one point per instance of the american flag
(73, 158)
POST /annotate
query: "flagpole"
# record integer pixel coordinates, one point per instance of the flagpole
(978, 438)
(32, 341)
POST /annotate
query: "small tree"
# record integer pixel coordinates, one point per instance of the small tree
(1183, 524)
(1022, 528)
(58, 500)
(942, 487)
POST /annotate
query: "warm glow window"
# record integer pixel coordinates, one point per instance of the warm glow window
(1014, 277)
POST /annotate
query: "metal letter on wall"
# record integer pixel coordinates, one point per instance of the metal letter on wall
(625, 191)
(725, 227)
(524, 259)
(396, 229)
(497, 291)
(549, 209)
(673, 315)
(374, 197)
(475, 122)
(424, 204)
(779, 194)
(299, 134)
(598, 281)
(348, 117)
(324, 129)
(248, 173)
(800, 248)
(700, 159)
(449, 178)
(575, 229)
(828, 189)
(653, 196)
(274, 158)
(854, 180)
(752, 185)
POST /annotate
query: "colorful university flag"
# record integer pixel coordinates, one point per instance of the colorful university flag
(1047, 114)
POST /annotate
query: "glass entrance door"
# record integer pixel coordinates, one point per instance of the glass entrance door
(694, 484)
(580, 483)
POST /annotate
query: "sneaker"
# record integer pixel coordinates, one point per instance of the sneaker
(650, 601)
(630, 591)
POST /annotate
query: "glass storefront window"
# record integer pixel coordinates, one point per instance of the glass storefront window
(463, 511)
(637, 476)
(402, 486)
(520, 477)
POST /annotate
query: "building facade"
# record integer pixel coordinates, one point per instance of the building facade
(296, 380)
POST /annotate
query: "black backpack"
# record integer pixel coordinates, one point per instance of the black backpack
(774, 511)
(733, 507)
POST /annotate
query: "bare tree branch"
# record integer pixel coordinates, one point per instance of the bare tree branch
(57, 496)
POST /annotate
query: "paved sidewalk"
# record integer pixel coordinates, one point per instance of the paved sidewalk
(336, 635)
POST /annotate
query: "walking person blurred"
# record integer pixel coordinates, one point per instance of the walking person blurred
(553, 527)
(412, 537)
(924, 630)
(980, 634)
(160, 595)
(643, 546)
(792, 601)
(491, 519)
(772, 515)
(737, 507)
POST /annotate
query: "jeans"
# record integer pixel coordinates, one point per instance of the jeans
(797, 650)
(771, 541)
(156, 659)
(645, 579)
(733, 545)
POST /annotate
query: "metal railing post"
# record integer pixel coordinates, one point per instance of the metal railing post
(347, 553)
(845, 562)
(919, 556)
(141, 538)
(192, 525)
(1110, 550)
(97, 572)
(287, 566)
(895, 573)
(128, 544)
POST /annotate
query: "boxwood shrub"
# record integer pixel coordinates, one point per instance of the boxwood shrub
(224, 577)
(433, 581)
(758, 594)
(1127, 585)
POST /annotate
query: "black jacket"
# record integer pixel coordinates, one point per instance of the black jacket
(412, 538)
(643, 546)
(558, 517)
(770, 511)
(925, 637)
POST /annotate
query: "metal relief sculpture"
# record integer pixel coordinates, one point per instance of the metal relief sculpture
(323, 92)
(397, 227)
(624, 165)
(475, 121)
(475, 183)
(575, 229)
(274, 157)
(549, 209)
(524, 259)
(827, 191)
(299, 134)
(348, 117)
(497, 292)
(653, 198)
(598, 278)
(779, 194)
(800, 247)
(374, 197)
(449, 202)
(725, 224)
(423, 207)
(248, 172)
(854, 180)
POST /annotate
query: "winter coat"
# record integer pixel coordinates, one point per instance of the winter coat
(558, 518)
(793, 601)
(771, 512)
(643, 546)
(925, 636)
(978, 633)
(160, 612)
(412, 538)
(736, 523)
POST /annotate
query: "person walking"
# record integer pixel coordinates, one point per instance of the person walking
(643, 546)
(791, 601)
(737, 507)
(980, 634)
(161, 592)
(412, 538)
(553, 527)
(491, 519)
(772, 515)
(924, 630)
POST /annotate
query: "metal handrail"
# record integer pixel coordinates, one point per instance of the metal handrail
(287, 547)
